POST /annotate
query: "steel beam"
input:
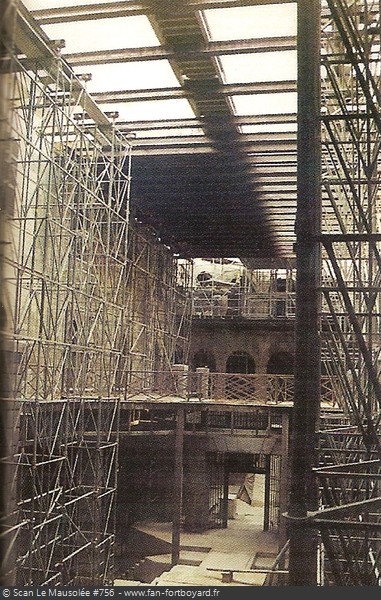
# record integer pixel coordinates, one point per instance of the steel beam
(275, 44)
(198, 123)
(195, 91)
(128, 8)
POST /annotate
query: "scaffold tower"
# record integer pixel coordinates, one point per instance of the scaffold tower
(349, 474)
(65, 303)
(90, 297)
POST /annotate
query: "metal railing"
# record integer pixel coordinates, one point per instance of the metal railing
(212, 302)
(278, 574)
(203, 385)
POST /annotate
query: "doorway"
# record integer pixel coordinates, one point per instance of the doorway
(237, 478)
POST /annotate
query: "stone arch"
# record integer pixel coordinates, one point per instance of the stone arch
(203, 358)
(204, 277)
(236, 386)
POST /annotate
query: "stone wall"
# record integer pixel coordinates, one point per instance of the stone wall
(220, 339)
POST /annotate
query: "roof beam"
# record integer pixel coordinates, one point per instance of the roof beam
(199, 123)
(128, 8)
(270, 138)
(275, 44)
(35, 45)
(235, 89)
(283, 186)
(160, 151)
(273, 159)
(258, 157)
(244, 144)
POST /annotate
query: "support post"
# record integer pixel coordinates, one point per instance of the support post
(203, 382)
(181, 380)
(266, 513)
(178, 486)
(225, 497)
(284, 479)
(303, 494)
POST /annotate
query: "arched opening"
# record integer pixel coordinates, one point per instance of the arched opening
(240, 362)
(280, 388)
(238, 387)
(203, 358)
(281, 363)
(204, 277)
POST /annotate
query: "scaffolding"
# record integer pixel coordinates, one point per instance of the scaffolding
(159, 305)
(90, 295)
(349, 471)
(252, 294)
(6, 195)
(64, 299)
(61, 531)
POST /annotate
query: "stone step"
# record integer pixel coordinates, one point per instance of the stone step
(228, 561)
(187, 575)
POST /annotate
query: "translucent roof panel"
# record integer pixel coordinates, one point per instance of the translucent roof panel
(160, 133)
(273, 20)
(262, 104)
(267, 21)
(39, 4)
(269, 128)
(103, 34)
(151, 109)
(130, 76)
(265, 66)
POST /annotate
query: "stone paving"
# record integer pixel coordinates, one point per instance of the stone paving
(217, 555)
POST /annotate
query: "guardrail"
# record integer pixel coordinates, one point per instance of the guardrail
(278, 574)
(211, 302)
(204, 385)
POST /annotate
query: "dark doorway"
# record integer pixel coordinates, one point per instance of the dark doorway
(238, 476)
(203, 358)
(240, 362)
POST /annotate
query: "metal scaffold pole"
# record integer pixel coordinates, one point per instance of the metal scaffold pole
(303, 494)
(7, 407)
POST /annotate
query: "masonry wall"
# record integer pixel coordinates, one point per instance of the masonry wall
(219, 339)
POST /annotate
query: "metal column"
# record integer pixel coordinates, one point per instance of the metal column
(303, 497)
(178, 486)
